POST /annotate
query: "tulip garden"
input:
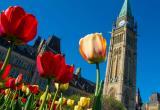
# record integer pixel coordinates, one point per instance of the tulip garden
(18, 28)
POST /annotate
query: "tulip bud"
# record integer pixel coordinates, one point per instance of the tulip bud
(62, 87)
(84, 102)
(10, 83)
(23, 100)
(56, 102)
(34, 89)
(70, 102)
(19, 79)
(27, 91)
(24, 88)
(77, 107)
(64, 100)
(7, 91)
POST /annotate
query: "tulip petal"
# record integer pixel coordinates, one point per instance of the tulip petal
(66, 74)
(4, 23)
(27, 28)
(10, 83)
(39, 65)
(60, 64)
(81, 49)
(14, 16)
(6, 72)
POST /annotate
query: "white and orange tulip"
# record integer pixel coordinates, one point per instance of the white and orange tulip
(93, 48)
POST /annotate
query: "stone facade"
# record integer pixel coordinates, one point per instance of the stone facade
(120, 80)
(154, 102)
(22, 60)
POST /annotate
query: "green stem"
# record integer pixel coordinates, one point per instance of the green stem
(7, 102)
(61, 101)
(13, 98)
(98, 78)
(6, 61)
(54, 98)
(28, 103)
(45, 96)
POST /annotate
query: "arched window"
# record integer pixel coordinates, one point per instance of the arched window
(112, 92)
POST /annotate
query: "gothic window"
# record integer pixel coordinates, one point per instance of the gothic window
(115, 52)
(118, 38)
(112, 92)
(119, 50)
(121, 37)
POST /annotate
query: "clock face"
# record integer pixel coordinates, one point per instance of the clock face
(121, 23)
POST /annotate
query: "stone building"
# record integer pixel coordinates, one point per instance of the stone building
(154, 102)
(139, 102)
(120, 80)
(23, 60)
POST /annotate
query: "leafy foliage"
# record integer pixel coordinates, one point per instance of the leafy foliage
(109, 103)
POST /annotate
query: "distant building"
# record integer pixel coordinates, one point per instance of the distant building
(154, 102)
(139, 102)
(23, 60)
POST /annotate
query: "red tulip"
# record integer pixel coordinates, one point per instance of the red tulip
(10, 83)
(24, 100)
(17, 26)
(6, 71)
(52, 65)
(19, 79)
(65, 74)
(48, 64)
(2, 91)
(34, 89)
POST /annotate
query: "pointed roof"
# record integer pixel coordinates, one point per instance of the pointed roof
(126, 9)
(139, 97)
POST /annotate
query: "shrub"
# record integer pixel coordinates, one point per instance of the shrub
(109, 103)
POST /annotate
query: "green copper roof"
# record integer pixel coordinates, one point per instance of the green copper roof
(126, 9)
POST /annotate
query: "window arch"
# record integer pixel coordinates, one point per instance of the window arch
(112, 92)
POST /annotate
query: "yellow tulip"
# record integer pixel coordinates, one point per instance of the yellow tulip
(24, 88)
(77, 107)
(56, 102)
(70, 102)
(84, 102)
(88, 101)
(63, 87)
(64, 100)
(7, 91)
(27, 91)
(93, 48)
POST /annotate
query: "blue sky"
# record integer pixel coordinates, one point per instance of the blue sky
(72, 19)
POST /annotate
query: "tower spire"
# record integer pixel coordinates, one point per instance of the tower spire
(126, 9)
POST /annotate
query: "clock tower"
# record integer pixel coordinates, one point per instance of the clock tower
(120, 80)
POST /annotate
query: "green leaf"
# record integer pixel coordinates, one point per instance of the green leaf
(28, 105)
